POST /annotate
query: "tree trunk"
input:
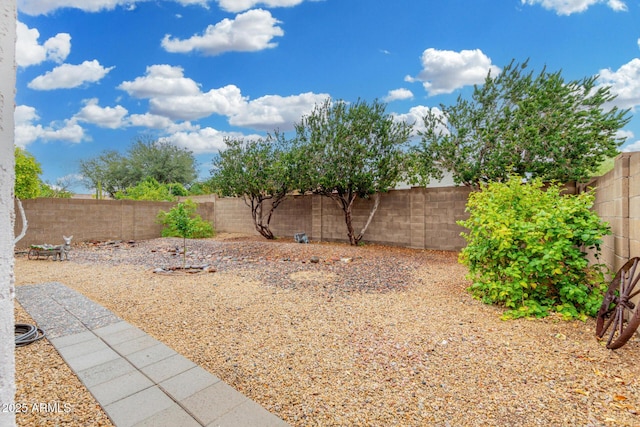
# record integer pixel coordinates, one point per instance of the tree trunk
(346, 204)
(7, 214)
(371, 214)
(25, 224)
(256, 214)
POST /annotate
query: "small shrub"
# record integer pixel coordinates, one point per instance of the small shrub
(525, 249)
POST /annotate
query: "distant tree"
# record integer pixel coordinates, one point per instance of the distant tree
(107, 172)
(150, 189)
(54, 191)
(200, 188)
(27, 175)
(146, 158)
(257, 171)
(350, 151)
(162, 161)
(524, 124)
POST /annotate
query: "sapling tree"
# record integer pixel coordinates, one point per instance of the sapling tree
(183, 221)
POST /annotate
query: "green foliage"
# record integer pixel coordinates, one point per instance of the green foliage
(200, 188)
(28, 170)
(150, 189)
(257, 171)
(530, 125)
(183, 221)
(112, 172)
(524, 249)
(345, 151)
(54, 192)
(162, 161)
(606, 166)
(28, 184)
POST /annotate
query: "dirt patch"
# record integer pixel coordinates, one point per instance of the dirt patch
(389, 338)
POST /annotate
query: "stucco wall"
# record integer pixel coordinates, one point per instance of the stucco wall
(7, 105)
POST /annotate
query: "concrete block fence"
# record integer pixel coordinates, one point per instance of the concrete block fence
(421, 218)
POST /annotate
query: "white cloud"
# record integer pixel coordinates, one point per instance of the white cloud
(176, 97)
(625, 83)
(567, 7)
(106, 117)
(248, 32)
(152, 121)
(207, 140)
(415, 117)
(444, 71)
(67, 76)
(634, 146)
(398, 94)
(225, 101)
(43, 7)
(623, 133)
(161, 80)
(240, 5)
(26, 131)
(29, 52)
(274, 111)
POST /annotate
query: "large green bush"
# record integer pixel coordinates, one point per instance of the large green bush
(525, 249)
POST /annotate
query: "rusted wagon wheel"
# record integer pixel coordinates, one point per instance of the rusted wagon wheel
(619, 315)
(32, 254)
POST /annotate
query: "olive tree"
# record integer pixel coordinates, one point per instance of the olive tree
(257, 171)
(518, 122)
(348, 151)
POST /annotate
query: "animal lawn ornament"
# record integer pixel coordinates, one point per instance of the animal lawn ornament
(301, 238)
(63, 250)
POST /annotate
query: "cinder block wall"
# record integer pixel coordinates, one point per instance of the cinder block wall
(617, 201)
(422, 218)
(49, 219)
(611, 204)
(634, 204)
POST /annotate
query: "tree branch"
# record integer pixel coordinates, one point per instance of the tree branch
(25, 225)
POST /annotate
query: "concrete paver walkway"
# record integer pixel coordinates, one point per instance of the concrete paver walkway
(136, 379)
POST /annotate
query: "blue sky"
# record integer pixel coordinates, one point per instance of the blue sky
(96, 74)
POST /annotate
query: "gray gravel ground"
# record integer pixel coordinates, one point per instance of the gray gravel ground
(371, 336)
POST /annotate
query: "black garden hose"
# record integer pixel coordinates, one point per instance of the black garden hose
(26, 334)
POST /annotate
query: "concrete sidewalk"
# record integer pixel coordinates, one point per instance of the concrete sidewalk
(136, 379)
